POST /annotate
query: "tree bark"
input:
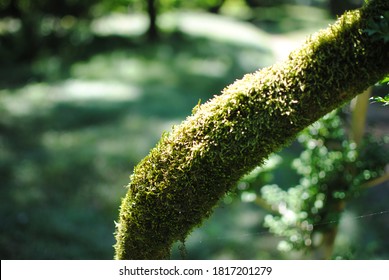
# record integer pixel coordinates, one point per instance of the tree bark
(175, 187)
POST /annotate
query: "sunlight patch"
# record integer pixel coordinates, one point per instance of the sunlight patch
(121, 24)
(216, 27)
(207, 67)
(101, 90)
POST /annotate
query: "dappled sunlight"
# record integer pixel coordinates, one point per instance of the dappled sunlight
(121, 24)
(211, 26)
(213, 68)
(25, 100)
(217, 27)
(79, 90)
(42, 96)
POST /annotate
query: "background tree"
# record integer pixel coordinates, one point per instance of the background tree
(152, 12)
(43, 24)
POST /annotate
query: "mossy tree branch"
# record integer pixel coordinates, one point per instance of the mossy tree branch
(176, 186)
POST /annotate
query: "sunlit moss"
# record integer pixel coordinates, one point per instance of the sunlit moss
(176, 186)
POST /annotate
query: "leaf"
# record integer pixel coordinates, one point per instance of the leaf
(379, 99)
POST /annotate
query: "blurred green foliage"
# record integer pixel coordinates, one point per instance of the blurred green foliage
(30, 29)
(70, 136)
(33, 28)
(64, 156)
(22, 8)
(378, 28)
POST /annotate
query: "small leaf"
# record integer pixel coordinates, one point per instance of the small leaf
(379, 99)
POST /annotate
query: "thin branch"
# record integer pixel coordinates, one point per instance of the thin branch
(376, 181)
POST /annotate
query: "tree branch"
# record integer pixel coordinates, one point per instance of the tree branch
(175, 187)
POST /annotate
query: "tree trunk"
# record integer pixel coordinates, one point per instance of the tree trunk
(177, 185)
(152, 11)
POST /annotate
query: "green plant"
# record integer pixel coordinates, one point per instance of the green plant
(333, 170)
(378, 30)
(385, 99)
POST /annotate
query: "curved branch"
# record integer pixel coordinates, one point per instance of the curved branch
(175, 187)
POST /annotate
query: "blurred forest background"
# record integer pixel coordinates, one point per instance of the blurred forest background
(87, 88)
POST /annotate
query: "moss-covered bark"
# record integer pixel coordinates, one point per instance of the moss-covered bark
(176, 186)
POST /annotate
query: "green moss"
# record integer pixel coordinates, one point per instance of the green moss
(176, 186)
